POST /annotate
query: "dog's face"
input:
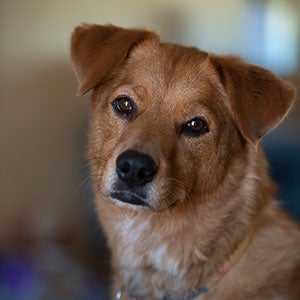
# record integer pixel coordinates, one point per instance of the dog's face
(160, 132)
(169, 122)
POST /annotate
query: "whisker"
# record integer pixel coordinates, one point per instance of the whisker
(86, 176)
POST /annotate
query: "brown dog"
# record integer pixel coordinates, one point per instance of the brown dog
(181, 184)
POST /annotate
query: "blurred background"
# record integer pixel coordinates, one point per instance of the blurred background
(51, 246)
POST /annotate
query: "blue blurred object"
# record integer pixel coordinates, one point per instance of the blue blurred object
(18, 278)
(284, 161)
(49, 274)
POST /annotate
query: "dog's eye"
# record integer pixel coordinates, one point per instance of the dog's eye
(124, 106)
(195, 127)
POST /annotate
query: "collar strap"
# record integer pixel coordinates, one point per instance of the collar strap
(213, 279)
(189, 295)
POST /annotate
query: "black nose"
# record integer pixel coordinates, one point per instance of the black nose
(135, 168)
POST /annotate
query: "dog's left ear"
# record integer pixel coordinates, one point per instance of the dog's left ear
(258, 99)
(97, 50)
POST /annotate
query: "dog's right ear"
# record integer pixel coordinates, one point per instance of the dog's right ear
(97, 50)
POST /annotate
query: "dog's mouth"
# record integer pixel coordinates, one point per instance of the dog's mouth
(128, 197)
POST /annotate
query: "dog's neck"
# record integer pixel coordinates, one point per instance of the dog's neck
(216, 274)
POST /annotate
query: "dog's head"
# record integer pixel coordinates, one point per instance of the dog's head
(168, 122)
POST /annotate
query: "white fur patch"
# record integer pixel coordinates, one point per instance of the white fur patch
(158, 256)
(132, 235)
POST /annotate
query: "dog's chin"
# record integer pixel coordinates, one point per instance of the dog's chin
(127, 197)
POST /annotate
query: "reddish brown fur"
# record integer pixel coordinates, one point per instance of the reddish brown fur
(209, 190)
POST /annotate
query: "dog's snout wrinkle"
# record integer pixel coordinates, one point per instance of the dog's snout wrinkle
(135, 168)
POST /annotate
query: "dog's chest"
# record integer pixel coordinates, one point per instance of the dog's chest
(141, 244)
(144, 255)
(132, 240)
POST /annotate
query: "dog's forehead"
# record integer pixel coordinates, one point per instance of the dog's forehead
(169, 70)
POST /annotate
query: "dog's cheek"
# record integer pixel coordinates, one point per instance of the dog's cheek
(103, 134)
(206, 173)
(217, 161)
(203, 166)
(183, 168)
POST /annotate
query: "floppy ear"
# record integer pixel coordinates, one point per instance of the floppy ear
(96, 50)
(258, 99)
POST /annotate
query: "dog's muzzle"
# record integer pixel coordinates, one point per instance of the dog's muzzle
(135, 170)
